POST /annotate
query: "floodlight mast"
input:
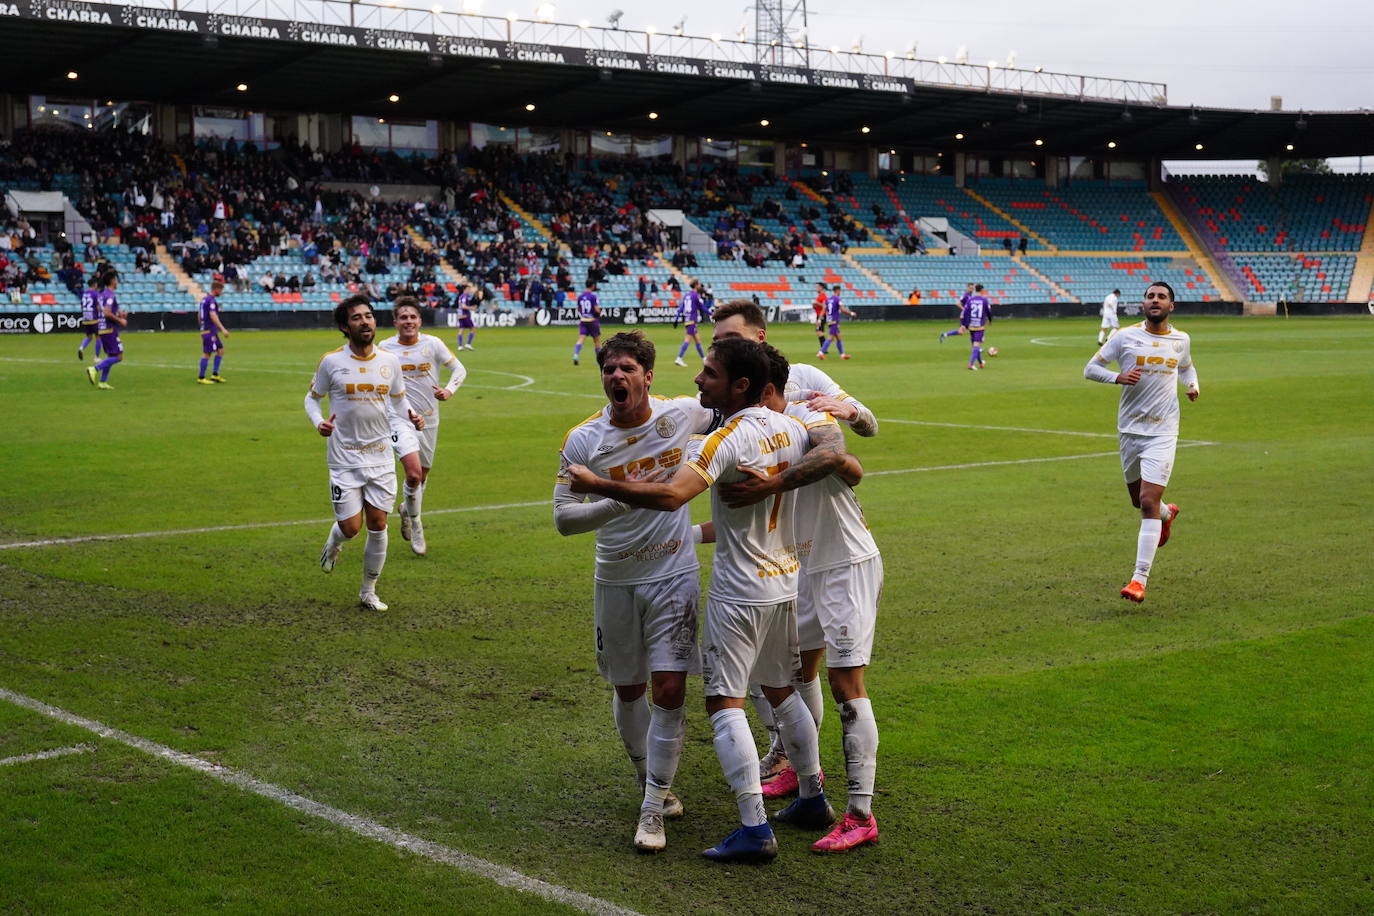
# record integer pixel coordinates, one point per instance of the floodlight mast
(780, 31)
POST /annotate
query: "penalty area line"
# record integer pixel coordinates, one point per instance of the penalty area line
(364, 827)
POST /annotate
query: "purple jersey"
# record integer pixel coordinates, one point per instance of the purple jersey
(90, 305)
(107, 300)
(977, 313)
(209, 306)
(587, 308)
(832, 308)
(692, 309)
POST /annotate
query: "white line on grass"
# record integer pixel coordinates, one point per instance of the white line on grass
(47, 755)
(436, 852)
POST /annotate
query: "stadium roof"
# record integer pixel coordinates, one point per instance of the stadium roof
(133, 53)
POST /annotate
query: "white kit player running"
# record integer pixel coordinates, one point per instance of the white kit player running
(646, 570)
(837, 609)
(750, 630)
(1110, 322)
(365, 390)
(1154, 358)
(420, 356)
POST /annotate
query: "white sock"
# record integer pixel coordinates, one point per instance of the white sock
(1145, 546)
(666, 730)
(632, 721)
(803, 749)
(813, 697)
(412, 499)
(860, 753)
(765, 711)
(374, 558)
(336, 537)
(739, 761)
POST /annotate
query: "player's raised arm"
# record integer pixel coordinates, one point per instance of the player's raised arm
(664, 496)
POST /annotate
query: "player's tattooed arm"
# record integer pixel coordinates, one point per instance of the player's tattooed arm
(859, 417)
(826, 455)
(851, 471)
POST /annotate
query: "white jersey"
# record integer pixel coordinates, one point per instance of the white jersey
(420, 364)
(1109, 307)
(1150, 406)
(756, 547)
(830, 524)
(363, 393)
(803, 379)
(643, 545)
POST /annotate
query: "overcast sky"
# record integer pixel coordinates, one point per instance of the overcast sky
(1317, 54)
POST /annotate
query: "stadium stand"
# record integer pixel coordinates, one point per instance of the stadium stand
(1087, 215)
(1306, 213)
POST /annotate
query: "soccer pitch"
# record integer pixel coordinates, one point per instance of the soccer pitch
(1045, 745)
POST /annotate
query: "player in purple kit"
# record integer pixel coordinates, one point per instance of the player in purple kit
(210, 330)
(691, 309)
(976, 317)
(111, 320)
(833, 311)
(90, 318)
(466, 309)
(588, 320)
(963, 301)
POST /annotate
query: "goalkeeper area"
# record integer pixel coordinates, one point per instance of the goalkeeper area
(193, 717)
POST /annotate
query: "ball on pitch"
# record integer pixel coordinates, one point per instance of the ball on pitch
(992, 351)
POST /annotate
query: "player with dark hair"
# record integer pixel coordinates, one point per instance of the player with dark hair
(365, 388)
(588, 320)
(110, 321)
(833, 310)
(976, 317)
(691, 309)
(467, 311)
(1154, 357)
(963, 301)
(90, 317)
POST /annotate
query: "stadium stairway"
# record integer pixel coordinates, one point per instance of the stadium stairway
(1362, 281)
(1195, 247)
(1009, 218)
(452, 273)
(875, 278)
(1025, 265)
(183, 278)
(538, 225)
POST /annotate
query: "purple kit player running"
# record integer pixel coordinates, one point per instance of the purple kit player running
(833, 311)
(976, 317)
(692, 308)
(963, 301)
(111, 320)
(588, 320)
(466, 310)
(90, 318)
(210, 330)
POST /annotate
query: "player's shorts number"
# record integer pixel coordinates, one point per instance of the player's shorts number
(598, 639)
(335, 493)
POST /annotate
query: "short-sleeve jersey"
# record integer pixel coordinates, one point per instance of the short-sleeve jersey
(756, 546)
(642, 545)
(90, 305)
(208, 306)
(694, 307)
(1109, 306)
(832, 308)
(1150, 406)
(586, 306)
(108, 299)
(831, 529)
(463, 300)
(420, 364)
(977, 313)
(358, 389)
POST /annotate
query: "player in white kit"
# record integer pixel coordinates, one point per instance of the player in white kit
(837, 609)
(1154, 358)
(366, 392)
(420, 356)
(646, 569)
(1110, 323)
(742, 318)
(750, 630)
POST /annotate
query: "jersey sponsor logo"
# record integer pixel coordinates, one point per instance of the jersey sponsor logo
(365, 388)
(1156, 361)
(668, 459)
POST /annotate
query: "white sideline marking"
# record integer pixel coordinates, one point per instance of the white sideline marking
(54, 542)
(436, 852)
(988, 464)
(1005, 429)
(47, 755)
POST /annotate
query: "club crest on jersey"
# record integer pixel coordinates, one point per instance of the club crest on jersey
(665, 427)
(1178, 347)
(385, 371)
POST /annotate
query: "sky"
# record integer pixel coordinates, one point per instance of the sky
(1317, 54)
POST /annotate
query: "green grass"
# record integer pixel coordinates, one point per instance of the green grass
(1046, 746)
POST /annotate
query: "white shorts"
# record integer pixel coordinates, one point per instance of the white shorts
(748, 644)
(426, 439)
(837, 610)
(1111, 321)
(647, 627)
(1149, 458)
(407, 440)
(349, 488)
